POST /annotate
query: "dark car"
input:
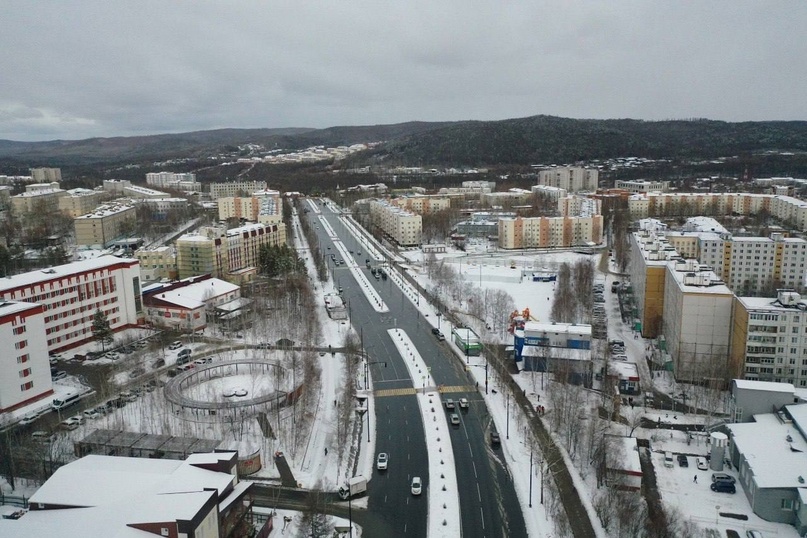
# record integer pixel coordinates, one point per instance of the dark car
(435, 330)
(682, 460)
(723, 487)
(495, 440)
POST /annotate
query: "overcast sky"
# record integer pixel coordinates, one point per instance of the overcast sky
(109, 68)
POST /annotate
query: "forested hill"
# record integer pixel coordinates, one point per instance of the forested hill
(533, 140)
(547, 139)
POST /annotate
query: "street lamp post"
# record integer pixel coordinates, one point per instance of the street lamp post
(508, 415)
(530, 504)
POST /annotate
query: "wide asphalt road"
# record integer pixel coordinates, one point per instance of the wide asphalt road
(488, 502)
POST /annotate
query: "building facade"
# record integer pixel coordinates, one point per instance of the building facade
(264, 207)
(39, 200)
(572, 178)
(79, 202)
(23, 355)
(46, 174)
(71, 294)
(101, 227)
(157, 263)
(549, 232)
(401, 226)
(422, 205)
(184, 305)
(235, 189)
(642, 186)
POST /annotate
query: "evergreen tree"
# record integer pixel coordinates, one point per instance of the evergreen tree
(101, 329)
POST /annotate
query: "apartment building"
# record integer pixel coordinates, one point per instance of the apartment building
(162, 207)
(79, 202)
(40, 199)
(650, 253)
(228, 254)
(235, 189)
(579, 206)
(176, 181)
(769, 338)
(105, 224)
(572, 178)
(46, 174)
(549, 232)
(785, 208)
(642, 186)
(546, 191)
(157, 263)
(508, 198)
(263, 206)
(696, 321)
(71, 294)
(23, 355)
(422, 205)
(399, 225)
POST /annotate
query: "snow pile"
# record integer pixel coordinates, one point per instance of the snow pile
(444, 508)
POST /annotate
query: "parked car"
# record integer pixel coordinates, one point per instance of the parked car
(417, 486)
(440, 336)
(495, 439)
(700, 462)
(753, 534)
(43, 436)
(682, 460)
(28, 419)
(137, 372)
(61, 374)
(435, 331)
(381, 461)
(175, 345)
(91, 414)
(204, 360)
(723, 477)
(159, 363)
(723, 487)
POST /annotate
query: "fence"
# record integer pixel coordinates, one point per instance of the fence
(14, 500)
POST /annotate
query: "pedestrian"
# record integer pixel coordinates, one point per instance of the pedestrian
(696, 479)
(326, 450)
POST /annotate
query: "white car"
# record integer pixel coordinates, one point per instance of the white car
(464, 403)
(701, 463)
(28, 419)
(92, 414)
(417, 486)
(381, 461)
(455, 419)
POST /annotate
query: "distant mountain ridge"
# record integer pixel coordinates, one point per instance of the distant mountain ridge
(520, 141)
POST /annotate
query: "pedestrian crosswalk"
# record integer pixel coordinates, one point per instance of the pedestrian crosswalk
(409, 391)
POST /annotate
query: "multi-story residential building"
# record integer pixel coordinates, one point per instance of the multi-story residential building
(549, 232)
(546, 191)
(177, 181)
(43, 201)
(696, 321)
(107, 223)
(184, 305)
(572, 178)
(162, 207)
(579, 206)
(71, 294)
(422, 205)
(157, 263)
(642, 186)
(235, 189)
(650, 253)
(399, 225)
(482, 224)
(79, 202)
(508, 198)
(769, 338)
(46, 174)
(264, 207)
(23, 355)
(228, 254)
(786, 208)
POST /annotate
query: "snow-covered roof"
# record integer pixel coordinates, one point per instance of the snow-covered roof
(768, 386)
(195, 295)
(630, 454)
(775, 451)
(60, 271)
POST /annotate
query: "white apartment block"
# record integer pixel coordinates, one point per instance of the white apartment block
(549, 232)
(46, 174)
(642, 186)
(422, 205)
(177, 181)
(44, 200)
(785, 208)
(71, 294)
(572, 178)
(23, 355)
(546, 191)
(579, 206)
(235, 188)
(507, 198)
(401, 226)
(696, 321)
(769, 338)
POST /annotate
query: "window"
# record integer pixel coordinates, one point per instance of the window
(22, 359)
(25, 373)
(787, 504)
(27, 386)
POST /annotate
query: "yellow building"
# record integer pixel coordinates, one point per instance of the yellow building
(157, 263)
(422, 205)
(44, 200)
(650, 254)
(401, 226)
(264, 207)
(549, 232)
(79, 202)
(104, 225)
